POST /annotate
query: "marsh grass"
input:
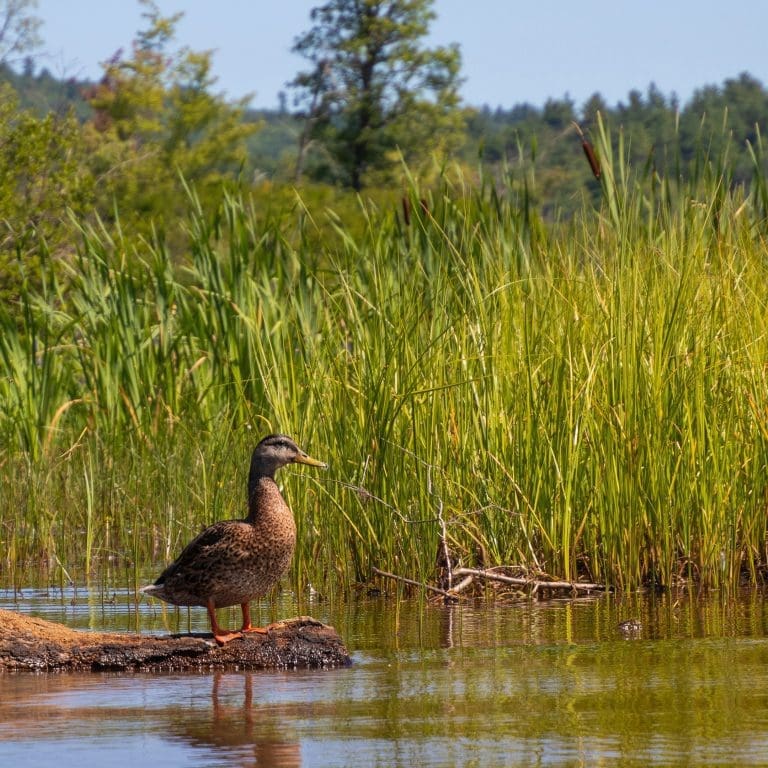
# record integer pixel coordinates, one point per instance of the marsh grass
(585, 399)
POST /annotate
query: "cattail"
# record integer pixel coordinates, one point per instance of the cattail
(594, 164)
(589, 152)
(423, 204)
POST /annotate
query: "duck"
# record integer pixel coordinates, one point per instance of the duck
(233, 562)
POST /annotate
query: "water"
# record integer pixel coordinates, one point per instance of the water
(543, 684)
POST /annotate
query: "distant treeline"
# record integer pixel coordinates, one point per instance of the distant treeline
(660, 135)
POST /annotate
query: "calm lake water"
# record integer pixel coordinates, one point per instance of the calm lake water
(538, 684)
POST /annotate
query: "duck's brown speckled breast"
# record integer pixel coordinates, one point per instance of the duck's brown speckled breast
(261, 557)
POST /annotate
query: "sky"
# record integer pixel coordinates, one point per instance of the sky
(513, 51)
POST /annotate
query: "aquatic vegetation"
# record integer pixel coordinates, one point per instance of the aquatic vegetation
(585, 397)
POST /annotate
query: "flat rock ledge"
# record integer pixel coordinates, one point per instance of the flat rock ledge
(37, 645)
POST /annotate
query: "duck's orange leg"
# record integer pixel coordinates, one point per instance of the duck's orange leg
(221, 636)
(247, 626)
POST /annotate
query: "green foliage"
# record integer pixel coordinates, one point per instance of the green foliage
(42, 182)
(153, 121)
(373, 92)
(587, 400)
(156, 121)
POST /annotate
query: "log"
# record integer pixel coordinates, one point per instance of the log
(28, 643)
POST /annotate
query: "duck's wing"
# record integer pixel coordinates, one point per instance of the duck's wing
(206, 549)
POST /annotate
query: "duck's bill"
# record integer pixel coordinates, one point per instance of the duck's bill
(304, 459)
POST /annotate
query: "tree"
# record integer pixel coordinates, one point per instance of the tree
(372, 90)
(18, 29)
(155, 119)
(43, 179)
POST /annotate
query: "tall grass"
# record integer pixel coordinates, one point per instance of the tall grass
(586, 399)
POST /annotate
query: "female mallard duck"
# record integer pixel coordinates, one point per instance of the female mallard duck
(235, 561)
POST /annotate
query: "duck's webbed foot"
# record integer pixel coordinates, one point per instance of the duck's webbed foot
(247, 626)
(221, 636)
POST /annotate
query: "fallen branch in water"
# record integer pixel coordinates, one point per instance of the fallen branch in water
(530, 585)
(534, 584)
(463, 584)
(414, 583)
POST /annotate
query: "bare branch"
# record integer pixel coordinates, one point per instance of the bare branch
(428, 587)
(19, 29)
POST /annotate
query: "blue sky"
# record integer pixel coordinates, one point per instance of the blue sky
(512, 51)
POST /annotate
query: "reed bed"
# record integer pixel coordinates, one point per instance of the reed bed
(586, 399)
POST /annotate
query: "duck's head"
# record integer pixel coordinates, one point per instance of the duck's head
(273, 452)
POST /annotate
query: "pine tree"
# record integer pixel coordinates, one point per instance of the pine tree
(373, 91)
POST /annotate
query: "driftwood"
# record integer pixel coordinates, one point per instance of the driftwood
(35, 644)
(531, 586)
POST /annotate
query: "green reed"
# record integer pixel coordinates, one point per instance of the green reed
(587, 399)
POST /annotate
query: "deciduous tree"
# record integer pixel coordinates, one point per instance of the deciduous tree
(156, 120)
(43, 178)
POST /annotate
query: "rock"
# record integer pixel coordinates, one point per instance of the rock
(28, 643)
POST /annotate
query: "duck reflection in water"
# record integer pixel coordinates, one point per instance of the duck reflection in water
(237, 730)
